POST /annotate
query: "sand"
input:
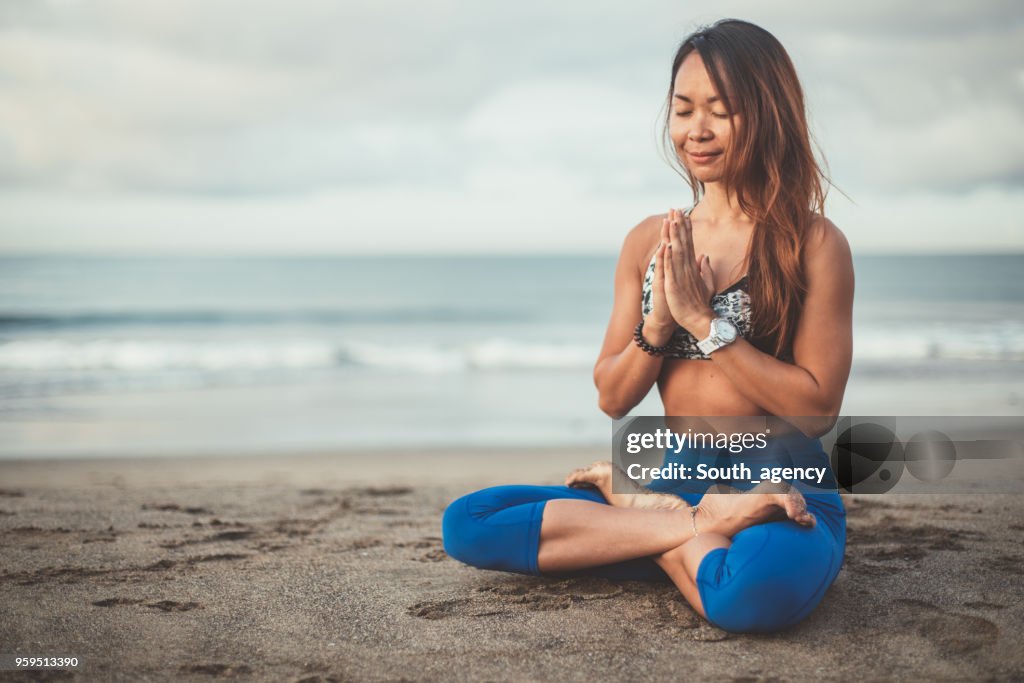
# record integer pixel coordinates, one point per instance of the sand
(330, 567)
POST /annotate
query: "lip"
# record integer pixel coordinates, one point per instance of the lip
(704, 158)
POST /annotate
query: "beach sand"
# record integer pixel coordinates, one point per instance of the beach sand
(330, 567)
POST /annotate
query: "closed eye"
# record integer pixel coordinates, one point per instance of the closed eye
(716, 115)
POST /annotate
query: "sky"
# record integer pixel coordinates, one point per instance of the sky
(438, 126)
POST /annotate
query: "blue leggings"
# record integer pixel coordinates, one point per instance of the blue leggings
(771, 577)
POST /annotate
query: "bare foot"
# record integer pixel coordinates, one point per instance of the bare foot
(728, 511)
(599, 475)
(723, 509)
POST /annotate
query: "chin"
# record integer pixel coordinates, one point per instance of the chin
(705, 176)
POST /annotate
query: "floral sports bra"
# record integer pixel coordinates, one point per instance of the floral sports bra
(732, 303)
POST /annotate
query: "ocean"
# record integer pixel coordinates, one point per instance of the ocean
(170, 355)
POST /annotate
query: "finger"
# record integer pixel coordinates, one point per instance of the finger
(678, 252)
(664, 262)
(668, 270)
(707, 276)
(659, 271)
(679, 243)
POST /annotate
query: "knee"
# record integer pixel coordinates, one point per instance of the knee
(463, 535)
(768, 595)
(769, 579)
(756, 607)
(456, 525)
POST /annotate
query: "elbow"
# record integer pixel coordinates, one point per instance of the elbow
(820, 419)
(612, 408)
(610, 404)
(613, 411)
(818, 426)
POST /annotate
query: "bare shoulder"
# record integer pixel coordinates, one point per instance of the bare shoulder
(647, 232)
(827, 246)
(642, 240)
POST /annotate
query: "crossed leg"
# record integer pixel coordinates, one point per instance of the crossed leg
(743, 572)
(577, 534)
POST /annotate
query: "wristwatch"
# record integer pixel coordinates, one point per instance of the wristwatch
(723, 333)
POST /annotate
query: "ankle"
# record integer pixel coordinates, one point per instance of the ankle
(707, 519)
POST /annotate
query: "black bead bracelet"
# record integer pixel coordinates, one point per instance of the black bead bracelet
(638, 337)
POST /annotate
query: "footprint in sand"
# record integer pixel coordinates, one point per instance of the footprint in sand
(983, 604)
(165, 605)
(517, 596)
(113, 602)
(216, 558)
(1009, 564)
(363, 544)
(215, 669)
(383, 491)
(885, 547)
(951, 633)
(174, 606)
(439, 609)
(435, 553)
(174, 507)
(235, 535)
(508, 597)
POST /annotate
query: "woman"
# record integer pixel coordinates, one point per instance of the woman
(741, 306)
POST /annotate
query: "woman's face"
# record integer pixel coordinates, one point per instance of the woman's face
(699, 123)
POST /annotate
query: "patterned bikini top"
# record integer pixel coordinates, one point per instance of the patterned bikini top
(732, 303)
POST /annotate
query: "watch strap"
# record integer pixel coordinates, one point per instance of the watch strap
(713, 342)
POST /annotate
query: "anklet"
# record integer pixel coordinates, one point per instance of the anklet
(693, 520)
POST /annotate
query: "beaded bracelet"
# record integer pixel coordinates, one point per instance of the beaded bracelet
(638, 337)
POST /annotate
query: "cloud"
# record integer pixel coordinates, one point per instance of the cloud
(199, 105)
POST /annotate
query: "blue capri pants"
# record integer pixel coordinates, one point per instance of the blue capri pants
(771, 577)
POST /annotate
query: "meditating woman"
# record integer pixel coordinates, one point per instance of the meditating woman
(740, 306)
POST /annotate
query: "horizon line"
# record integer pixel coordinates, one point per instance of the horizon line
(164, 253)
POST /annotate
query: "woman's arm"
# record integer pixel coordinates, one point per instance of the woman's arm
(624, 373)
(822, 345)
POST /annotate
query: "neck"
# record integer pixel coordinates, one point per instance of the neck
(719, 207)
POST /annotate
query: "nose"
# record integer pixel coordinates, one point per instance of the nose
(698, 129)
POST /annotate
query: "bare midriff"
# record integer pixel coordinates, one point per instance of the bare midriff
(698, 388)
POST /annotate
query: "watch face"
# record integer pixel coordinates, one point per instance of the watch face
(725, 330)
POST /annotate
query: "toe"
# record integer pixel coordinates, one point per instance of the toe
(574, 476)
(796, 507)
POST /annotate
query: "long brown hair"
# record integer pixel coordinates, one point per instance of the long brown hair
(771, 166)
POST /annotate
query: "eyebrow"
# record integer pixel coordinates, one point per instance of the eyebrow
(713, 98)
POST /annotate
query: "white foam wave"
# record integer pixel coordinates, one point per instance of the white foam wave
(1002, 342)
(491, 355)
(159, 355)
(143, 355)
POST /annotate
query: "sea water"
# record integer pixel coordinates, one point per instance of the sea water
(159, 355)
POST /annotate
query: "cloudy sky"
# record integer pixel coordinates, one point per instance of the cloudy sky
(237, 126)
